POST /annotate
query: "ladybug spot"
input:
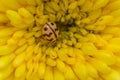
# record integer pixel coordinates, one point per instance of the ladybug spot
(56, 29)
(52, 23)
(50, 33)
(45, 28)
(44, 35)
(50, 39)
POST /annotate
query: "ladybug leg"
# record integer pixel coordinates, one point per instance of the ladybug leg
(53, 42)
(49, 44)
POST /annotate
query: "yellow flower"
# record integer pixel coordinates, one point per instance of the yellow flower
(87, 47)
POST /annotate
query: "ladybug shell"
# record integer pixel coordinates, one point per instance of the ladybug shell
(50, 32)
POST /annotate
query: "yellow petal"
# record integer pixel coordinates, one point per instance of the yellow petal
(11, 4)
(55, 6)
(19, 59)
(69, 74)
(91, 71)
(31, 40)
(58, 75)
(81, 2)
(3, 18)
(112, 30)
(105, 20)
(49, 73)
(21, 49)
(25, 14)
(73, 5)
(65, 3)
(89, 48)
(106, 57)
(80, 70)
(6, 49)
(60, 65)
(21, 42)
(19, 34)
(5, 60)
(100, 3)
(87, 6)
(12, 41)
(20, 70)
(29, 52)
(115, 41)
(62, 55)
(95, 14)
(113, 47)
(31, 2)
(3, 8)
(100, 66)
(22, 2)
(50, 62)
(70, 61)
(13, 16)
(114, 5)
(6, 32)
(6, 72)
(41, 70)
(114, 75)
(115, 13)
(3, 41)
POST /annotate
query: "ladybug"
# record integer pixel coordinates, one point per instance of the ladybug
(50, 32)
